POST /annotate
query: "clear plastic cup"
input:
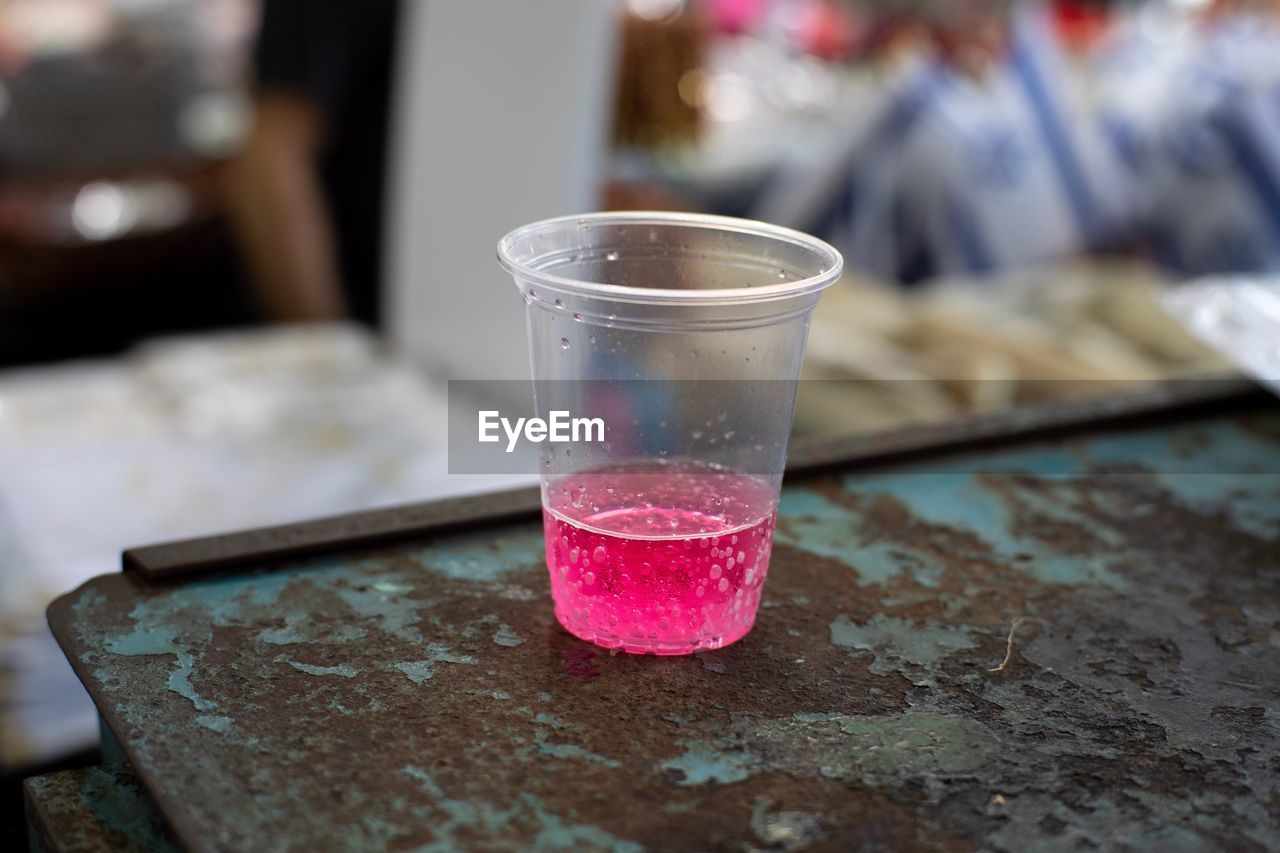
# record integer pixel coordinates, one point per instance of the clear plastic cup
(687, 333)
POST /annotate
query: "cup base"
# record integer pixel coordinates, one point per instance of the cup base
(642, 646)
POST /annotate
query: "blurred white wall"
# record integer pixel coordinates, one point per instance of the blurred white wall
(503, 115)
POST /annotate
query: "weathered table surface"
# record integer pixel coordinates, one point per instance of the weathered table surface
(94, 810)
(422, 694)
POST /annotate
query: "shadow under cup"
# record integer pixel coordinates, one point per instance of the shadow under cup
(684, 336)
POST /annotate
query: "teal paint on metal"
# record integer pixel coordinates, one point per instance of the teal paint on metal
(570, 750)
(964, 502)
(817, 525)
(700, 764)
(897, 642)
(483, 558)
(422, 694)
(94, 810)
(214, 722)
(878, 750)
(341, 670)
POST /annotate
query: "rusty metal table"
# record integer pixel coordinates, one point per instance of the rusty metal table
(418, 692)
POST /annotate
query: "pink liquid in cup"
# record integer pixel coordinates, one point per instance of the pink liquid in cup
(666, 563)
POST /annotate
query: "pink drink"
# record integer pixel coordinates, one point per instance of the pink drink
(665, 562)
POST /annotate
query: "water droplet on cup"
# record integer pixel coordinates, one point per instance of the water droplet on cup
(612, 256)
(564, 343)
(577, 317)
(559, 304)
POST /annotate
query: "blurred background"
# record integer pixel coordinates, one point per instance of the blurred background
(243, 244)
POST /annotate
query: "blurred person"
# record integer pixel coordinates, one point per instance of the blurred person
(971, 36)
(1194, 112)
(979, 159)
(383, 164)
(306, 192)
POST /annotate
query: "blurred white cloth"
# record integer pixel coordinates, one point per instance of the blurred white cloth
(183, 438)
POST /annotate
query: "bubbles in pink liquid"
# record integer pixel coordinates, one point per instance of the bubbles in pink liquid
(667, 562)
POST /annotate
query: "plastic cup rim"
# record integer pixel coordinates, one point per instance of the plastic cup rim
(523, 272)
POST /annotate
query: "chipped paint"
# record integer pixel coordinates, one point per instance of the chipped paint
(787, 830)
(877, 748)
(419, 671)
(480, 558)
(700, 764)
(302, 628)
(161, 641)
(860, 712)
(896, 641)
(815, 524)
(545, 830)
(505, 636)
(963, 502)
(570, 750)
(341, 670)
(214, 722)
(550, 719)
(95, 808)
